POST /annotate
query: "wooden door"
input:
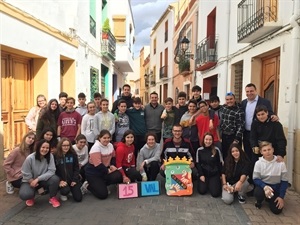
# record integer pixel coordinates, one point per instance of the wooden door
(270, 79)
(17, 95)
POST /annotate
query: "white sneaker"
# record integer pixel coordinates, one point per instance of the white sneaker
(144, 177)
(9, 188)
(108, 191)
(83, 188)
(63, 198)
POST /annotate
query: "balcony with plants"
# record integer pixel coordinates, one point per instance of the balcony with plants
(256, 19)
(206, 53)
(108, 42)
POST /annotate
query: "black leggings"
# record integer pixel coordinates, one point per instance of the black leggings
(75, 190)
(259, 194)
(98, 184)
(133, 174)
(211, 184)
(152, 170)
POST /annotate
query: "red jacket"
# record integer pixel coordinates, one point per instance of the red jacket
(124, 156)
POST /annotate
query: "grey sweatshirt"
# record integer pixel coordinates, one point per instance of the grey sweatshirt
(33, 168)
(149, 154)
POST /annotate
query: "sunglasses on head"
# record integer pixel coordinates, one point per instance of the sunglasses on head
(229, 94)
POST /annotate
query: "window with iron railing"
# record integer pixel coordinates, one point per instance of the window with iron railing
(207, 50)
(253, 14)
(92, 26)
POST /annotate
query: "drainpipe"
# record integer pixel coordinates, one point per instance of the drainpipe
(293, 109)
(195, 51)
(227, 41)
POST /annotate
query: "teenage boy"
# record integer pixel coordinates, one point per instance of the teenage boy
(153, 113)
(270, 178)
(105, 119)
(203, 121)
(69, 122)
(196, 93)
(170, 116)
(62, 97)
(232, 123)
(122, 120)
(214, 103)
(137, 123)
(264, 129)
(182, 106)
(81, 108)
(97, 100)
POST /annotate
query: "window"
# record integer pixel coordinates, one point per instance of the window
(154, 46)
(166, 31)
(93, 17)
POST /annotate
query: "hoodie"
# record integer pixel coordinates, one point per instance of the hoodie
(148, 154)
(67, 167)
(271, 173)
(124, 157)
(127, 99)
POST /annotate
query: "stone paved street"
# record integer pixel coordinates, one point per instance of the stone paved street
(147, 210)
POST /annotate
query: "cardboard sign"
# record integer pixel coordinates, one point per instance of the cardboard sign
(178, 177)
(150, 188)
(128, 190)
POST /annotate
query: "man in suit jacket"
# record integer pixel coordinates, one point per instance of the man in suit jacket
(248, 105)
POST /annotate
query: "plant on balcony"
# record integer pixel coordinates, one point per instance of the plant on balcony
(105, 29)
(184, 64)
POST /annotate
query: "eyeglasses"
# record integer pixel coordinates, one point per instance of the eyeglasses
(229, 94)
(177, 131)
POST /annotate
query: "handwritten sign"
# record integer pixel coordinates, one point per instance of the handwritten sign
(150, 188)
(128, 190)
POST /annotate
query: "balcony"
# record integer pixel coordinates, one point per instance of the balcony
(108, 45)
(256, 18)
(206, 53)
(124, 59)
(163, 72)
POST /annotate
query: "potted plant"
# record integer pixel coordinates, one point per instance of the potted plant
(184, 65)
(105, 29)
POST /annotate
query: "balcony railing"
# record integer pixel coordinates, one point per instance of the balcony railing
(108, 45)
(166, 35)
(207, 50)
(163, 72)
(253, 14)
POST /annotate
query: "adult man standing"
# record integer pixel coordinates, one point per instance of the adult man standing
(153, 113)
(232, 123)
(126, 96)
(248, 105)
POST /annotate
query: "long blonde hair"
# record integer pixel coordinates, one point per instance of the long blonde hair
(23, 146)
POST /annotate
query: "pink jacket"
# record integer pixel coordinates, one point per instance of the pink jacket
(13, 164)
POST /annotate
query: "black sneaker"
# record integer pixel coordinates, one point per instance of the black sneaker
(241, 199)
(258, 205)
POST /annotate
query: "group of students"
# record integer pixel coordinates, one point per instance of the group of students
(98, 147)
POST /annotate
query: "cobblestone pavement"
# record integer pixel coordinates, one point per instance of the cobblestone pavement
(161, 209)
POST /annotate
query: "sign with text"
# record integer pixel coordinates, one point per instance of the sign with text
(150, 188)
(128, 190)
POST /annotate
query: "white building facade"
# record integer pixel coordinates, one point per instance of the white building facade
(161, 55)
(257, 42)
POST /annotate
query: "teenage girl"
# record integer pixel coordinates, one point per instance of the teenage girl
(14, 161)
(67, 169)
(101, 170)
(125, 158)
(82, 152)
(235, 172)
(49, 135)
(209, 166)
(38, 172)
(148, 160)
(88, 128)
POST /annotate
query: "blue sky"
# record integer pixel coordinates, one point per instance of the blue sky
(146, 13)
